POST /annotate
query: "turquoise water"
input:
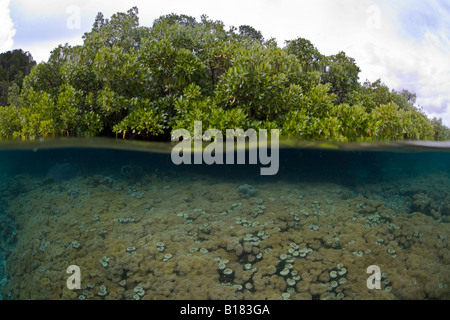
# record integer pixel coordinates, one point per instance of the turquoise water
(140, 227)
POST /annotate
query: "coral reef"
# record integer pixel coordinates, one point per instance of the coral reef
(168, 238)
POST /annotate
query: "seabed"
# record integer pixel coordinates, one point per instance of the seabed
(139, 227)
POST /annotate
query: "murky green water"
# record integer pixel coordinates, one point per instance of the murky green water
(139, 227)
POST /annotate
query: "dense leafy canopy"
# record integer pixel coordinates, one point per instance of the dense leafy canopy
(143, 82)
(14, 66)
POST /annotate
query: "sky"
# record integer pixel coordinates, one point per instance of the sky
(405, 43)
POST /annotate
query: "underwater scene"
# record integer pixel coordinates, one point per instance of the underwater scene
(90, 220)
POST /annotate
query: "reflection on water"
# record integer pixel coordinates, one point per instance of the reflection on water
(140, 227)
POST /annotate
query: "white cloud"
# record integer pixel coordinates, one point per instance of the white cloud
(46, 8)
(7, 30)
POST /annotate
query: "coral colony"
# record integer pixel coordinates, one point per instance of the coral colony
(200, 239)
(214, 153)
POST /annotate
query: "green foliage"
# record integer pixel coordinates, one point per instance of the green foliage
(122, 30)
(45, 76)
(372, 94)
(441, 132)
(319, 118)
(137, 82)
(193, 107)
(145, 117)
(250, 33)
(306, 53)
(67, 112)
(39, 115)
(418, 126)
(260, 80)
(9, 122)
(388, 122)
(171, 69)
(354, 122)
(342, 73)
(13, 94)
(14, 66)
